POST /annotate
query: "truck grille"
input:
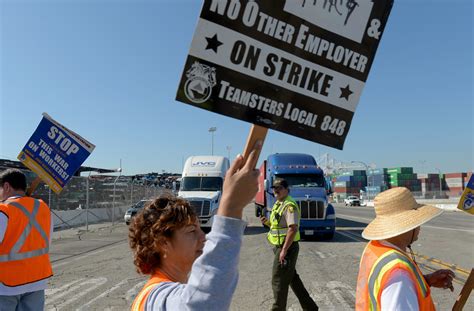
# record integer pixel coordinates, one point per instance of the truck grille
(311, 209)
(202, 208)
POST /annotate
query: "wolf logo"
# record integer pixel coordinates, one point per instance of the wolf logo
(201, 80)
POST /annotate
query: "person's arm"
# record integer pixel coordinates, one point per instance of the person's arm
(3, 225)
(214, 274)
(290, 237)
(400, 293)
(292, 220)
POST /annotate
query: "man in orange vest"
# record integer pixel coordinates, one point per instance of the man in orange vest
(388, 278)
(25, 236)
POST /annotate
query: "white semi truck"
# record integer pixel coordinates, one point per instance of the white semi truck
(201, 185)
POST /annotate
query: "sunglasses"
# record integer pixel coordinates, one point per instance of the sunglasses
(278, 188)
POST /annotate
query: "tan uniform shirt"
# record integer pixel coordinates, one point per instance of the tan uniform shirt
(289, 217)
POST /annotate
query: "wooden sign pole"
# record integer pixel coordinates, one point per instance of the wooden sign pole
(465, 292)
(33, 186)
(256, 133)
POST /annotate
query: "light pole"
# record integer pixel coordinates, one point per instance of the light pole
(119, 170)
(87, 201)
(228, 151)
(367, 170)
(440, 182)
(212, 130)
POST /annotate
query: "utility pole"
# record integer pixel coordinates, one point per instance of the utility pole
(212, 130)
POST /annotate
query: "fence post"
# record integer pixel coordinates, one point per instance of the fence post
(49, 197)
(87, 203)
(113, 202)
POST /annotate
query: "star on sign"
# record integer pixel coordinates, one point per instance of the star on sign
(213, 43)
(345, 92)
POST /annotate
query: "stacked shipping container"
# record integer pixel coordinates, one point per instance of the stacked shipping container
(404, 177)
(430, 182)
(456, 183)
(350, 183)
(377, 181)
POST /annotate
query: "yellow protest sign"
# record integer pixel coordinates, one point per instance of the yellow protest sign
(467, 199)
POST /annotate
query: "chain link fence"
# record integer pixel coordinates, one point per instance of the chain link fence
(92, 199)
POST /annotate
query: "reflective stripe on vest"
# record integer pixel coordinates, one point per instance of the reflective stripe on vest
(277, 235)
(382, 266)
(14, 253)
(139, 303)
(283, 231)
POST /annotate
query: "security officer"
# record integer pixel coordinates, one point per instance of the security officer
(284, 236)
(25, 230)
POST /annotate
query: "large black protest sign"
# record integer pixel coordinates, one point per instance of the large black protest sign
(296, 66)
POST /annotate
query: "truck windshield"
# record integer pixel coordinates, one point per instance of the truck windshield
(201, 184)
(303, 180)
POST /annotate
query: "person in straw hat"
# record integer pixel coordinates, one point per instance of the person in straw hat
(388, 278)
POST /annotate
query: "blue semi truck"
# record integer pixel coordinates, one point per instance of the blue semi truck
(308, 187)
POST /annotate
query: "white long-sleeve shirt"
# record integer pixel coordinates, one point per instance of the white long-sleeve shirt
(27, 288)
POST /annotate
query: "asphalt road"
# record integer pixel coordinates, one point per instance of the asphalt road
(97, 273)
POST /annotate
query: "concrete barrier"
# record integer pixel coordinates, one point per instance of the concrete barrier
(447, 206)
(75, 218)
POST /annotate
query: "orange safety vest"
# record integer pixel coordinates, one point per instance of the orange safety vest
(24, 250)
(376, 266)
(140, 301)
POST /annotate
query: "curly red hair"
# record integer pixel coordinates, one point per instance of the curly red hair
(157, 221)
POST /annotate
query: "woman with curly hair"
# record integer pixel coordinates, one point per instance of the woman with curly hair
(187, 271)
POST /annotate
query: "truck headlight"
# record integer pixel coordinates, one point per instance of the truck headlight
(331, 216)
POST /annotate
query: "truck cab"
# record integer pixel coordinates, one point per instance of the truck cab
(308, 187)
(201, 185)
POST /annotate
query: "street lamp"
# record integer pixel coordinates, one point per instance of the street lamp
(440, 182)
(212, 130)
(367, 170)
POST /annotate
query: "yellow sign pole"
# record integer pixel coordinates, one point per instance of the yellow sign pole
(465, 293)
(33, 186)
(256, 133)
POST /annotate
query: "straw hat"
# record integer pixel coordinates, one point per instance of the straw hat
(396, 213)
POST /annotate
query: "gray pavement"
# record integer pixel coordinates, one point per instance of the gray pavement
(97, 273)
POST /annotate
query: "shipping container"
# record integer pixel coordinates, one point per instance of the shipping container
(354, 173)
(377, 178)
(402, 176)
(455, 175)
(377, 171)
(456, 185)
(359, 178)
(400, 170)
(427, 176)
(341, 184)
(344, 178)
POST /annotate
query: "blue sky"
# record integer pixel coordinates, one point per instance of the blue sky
(109, 70)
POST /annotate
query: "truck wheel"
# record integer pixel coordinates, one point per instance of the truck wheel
(329, 236)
